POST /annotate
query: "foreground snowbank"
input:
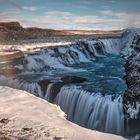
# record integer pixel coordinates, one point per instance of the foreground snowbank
(23, 115)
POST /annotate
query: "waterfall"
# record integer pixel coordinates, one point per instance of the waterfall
(92, 110)
(112, 46)
(63, 56)
(31, 87)
(48, 92)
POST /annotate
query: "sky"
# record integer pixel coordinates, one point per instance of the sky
(72, 14)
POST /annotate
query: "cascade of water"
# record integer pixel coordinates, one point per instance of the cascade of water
(48, 92)
(112, 46)
(92, 110)
(63, 56)
(31, 87)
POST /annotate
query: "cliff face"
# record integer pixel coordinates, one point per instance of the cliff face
(132, 94)
(11, 31)
(14, 31)
(13, 26)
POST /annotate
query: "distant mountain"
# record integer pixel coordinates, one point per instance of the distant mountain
(14, 31)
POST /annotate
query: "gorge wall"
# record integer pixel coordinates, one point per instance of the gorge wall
(132, 94)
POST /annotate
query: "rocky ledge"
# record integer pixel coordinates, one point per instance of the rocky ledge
(132, 94)
(11, 31)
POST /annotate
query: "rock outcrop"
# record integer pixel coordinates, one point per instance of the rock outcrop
(73, 79)
(132, 94)
(10, 31)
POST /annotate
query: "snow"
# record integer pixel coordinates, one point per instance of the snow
(132, 111)
(23, 115)
(127, 41)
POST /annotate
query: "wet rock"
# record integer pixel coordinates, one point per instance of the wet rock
(73, 79)
(56, 87)
(133, 123)
(44, 85)
(99, 46)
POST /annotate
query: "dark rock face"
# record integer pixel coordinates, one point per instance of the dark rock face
(100, 47)
(15, 26)
(44, 85)
(73, 79)
(56, 87)
(10, 31)
(132, 94)
(50, 90)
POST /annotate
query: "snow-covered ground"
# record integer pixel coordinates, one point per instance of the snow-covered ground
(24, 116)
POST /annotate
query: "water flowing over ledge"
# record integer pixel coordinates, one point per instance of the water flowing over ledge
(63, 56)
(92, 110)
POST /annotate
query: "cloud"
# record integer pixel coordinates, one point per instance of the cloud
(107, 12)
(5, 18)
(129, 19)
(30, 8)
(108, 20)
(87, 2)
(10, 3)
(105, 6)
(80, 7)
(112, 1)
(67, 20)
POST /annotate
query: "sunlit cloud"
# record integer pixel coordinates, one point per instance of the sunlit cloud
(129, 19)
(6, 18)
(87, 2)
(30, 8)
(112, 1)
